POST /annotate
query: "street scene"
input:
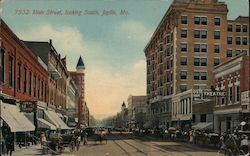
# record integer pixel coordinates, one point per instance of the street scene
(107, 77)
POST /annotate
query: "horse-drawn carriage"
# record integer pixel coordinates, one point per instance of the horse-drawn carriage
(59, 142)
(99, 135)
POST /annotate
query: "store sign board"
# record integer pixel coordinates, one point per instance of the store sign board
(245, 98)
(208, 93)
(28, 106)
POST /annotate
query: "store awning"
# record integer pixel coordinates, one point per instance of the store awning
(52, 117)
(41, 123)
(15, 119)
(203, 125)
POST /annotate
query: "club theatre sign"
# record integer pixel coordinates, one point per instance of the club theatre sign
(209, 93)
(28, 106)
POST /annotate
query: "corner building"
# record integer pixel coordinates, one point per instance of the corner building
(183, 51)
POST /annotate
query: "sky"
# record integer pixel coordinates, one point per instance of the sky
(111, 44)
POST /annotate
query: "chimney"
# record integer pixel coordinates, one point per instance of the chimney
(50, 41)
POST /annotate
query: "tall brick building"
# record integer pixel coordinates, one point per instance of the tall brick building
(23, 74)
(78, 77)
(191, 39)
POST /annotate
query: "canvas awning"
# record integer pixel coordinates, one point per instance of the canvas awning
(53, 118)
(41, 123)
(15, 119)
(203, 125)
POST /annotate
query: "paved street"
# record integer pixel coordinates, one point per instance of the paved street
(130, 145)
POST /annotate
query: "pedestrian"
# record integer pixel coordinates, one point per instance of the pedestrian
(85, 137)
(43, 142)
(191, 137)
(10, 144)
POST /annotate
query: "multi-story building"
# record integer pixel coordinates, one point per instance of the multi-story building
(23, 75)
(137, 107)
(79, 78)
(233, 77)
(191, 39)
(58, 73)
(181, 49)
(72, 102)
(237, 36)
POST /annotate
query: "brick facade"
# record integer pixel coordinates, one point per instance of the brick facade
(18, 59)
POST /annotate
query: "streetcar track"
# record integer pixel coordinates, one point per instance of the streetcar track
(137, 149)
(160, 149)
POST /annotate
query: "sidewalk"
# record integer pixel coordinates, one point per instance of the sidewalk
(33, 151)
(30, 150)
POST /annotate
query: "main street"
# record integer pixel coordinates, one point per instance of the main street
(127, 144)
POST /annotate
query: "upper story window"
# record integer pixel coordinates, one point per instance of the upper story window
(196, 47)
(25, 80)
(229, 27)
(229, 53)
(11, 71)
(183, 75)
(244, 28)
(30, 84)
(203, 75)
(238, 28)
(237, 93)
(19, 77)
(196, 61)
(217, 48)
(237, 52)
(196, 75)
(203, 48)
(244, 40)
(196, 33)
(203, 61)
(229, 40)
(183, 88)
(203, 34)
(184, 19)
(183, 61)
(183, 47)
(237, 40)
(216, 21)
(216, 61)
(216, 34)
(184, 33)
(2, 66)
(204, 20)
(196, 20)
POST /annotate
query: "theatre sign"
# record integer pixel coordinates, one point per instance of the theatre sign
(28, 106)
(208, 93)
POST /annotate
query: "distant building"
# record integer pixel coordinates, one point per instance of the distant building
(233, 77)
(137, 108)
(79, 78)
